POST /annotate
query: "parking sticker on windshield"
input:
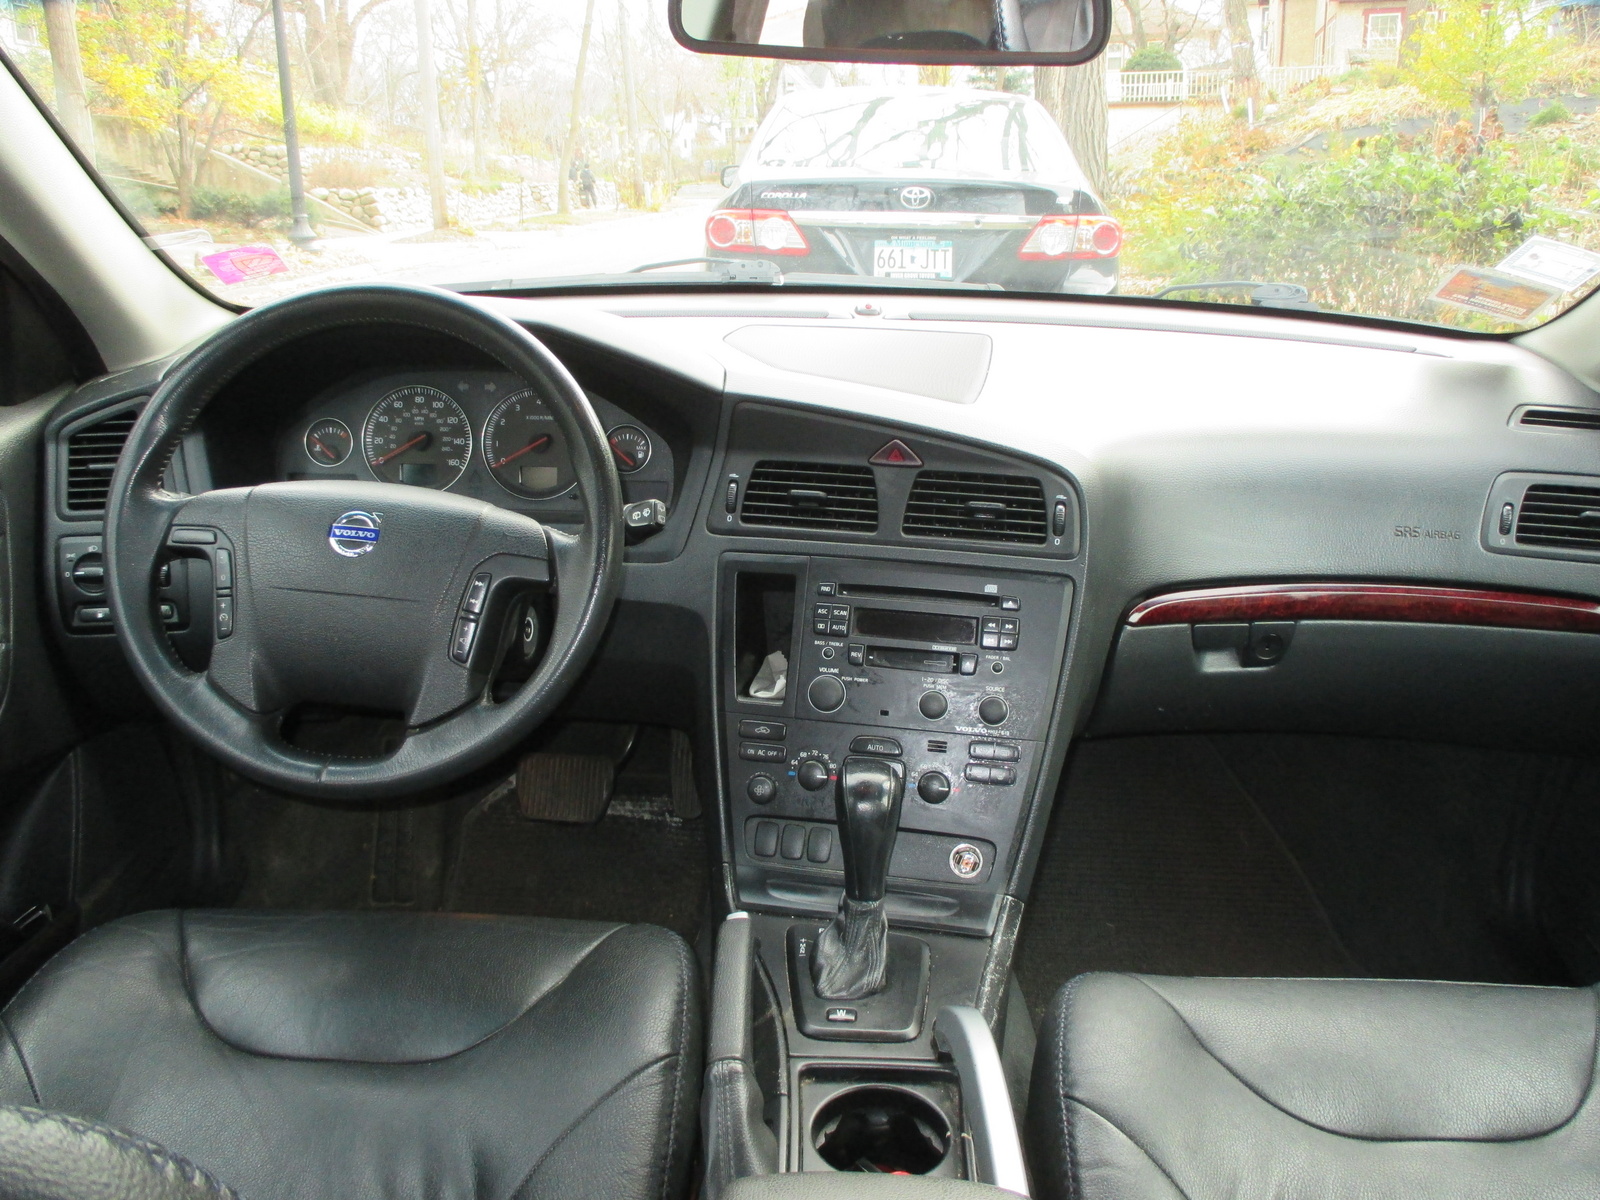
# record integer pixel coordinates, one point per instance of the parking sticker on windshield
(1505, 297)
(239, 263)
(1552, 263)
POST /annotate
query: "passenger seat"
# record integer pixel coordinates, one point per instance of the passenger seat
(1150, 1086)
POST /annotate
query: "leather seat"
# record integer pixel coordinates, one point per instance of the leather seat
(375, 1055)
(1151, 1086)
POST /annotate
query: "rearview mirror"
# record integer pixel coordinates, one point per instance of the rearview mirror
(956, 32)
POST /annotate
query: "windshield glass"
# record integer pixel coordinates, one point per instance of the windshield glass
(1427, 162)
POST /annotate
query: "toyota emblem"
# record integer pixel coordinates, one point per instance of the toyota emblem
(916, 197)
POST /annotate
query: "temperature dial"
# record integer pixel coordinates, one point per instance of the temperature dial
(630, 448)
(328, 442)
(812, 774)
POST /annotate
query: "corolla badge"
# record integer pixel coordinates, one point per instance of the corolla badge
(356, 533)
(916, 197)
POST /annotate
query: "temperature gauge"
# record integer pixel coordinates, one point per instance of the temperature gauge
(328, 442)
(630, 448)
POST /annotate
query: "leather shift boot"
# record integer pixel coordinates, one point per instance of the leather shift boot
(852, 953)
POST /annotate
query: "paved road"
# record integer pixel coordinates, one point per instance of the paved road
(594, 243)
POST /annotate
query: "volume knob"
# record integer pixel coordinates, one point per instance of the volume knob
(826, 693)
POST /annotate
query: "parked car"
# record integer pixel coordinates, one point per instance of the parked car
(937, 184)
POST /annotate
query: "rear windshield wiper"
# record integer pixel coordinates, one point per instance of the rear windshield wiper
(1262, 295)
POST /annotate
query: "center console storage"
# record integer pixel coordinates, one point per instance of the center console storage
(950, 671)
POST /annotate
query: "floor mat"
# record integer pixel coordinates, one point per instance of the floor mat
(1282, 855)
(1157, 861)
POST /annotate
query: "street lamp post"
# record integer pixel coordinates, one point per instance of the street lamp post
(300, 232)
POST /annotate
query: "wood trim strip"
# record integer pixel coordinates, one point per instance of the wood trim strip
(1369, 602)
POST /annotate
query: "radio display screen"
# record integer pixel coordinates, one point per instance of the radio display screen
(916, 626)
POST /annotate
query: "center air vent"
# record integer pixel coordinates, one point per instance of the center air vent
(1557, 515)
(989, 508)
(1561, 418)
(811, 495)
(92, 454)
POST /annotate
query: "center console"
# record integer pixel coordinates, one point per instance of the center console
(950, 672)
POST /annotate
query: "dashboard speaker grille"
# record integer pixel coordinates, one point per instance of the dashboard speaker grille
(1558, 515)
(1561, 418)
(811, 495)
(989, 508)
(92, 454)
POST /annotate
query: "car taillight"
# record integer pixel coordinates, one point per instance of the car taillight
(762, 230)
(1078, 236)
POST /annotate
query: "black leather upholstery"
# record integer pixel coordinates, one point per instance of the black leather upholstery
(48, 1156)
(1151, 1086)
(375, 1055)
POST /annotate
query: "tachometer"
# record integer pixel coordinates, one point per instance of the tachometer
(525, 450)
(417, 435)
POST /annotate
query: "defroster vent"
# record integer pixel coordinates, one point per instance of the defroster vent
(1558, 515)
(986, 508)
(1561, 418)
(92, 454)
(811, 495)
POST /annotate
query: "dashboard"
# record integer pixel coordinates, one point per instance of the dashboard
(479, 433)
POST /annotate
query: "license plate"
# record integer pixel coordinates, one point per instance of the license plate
(914, 258)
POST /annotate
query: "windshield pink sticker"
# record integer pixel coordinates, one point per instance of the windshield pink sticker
(245, 262)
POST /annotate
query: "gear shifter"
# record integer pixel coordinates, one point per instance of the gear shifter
(851, 959)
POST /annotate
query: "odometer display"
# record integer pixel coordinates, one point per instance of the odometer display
(417, 435)
(524, 448)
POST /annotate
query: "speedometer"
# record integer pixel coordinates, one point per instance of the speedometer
(417, 435)
(525, 449)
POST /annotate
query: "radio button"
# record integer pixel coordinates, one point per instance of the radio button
(858, 655)
(826, 589)
(992, 710)
(933, 705)
(990, 641)
(1008, 641)
(969, 664)
(1010, 604)
(826, 694)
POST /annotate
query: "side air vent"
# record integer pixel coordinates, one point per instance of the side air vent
(1561, 418)
(811, 495)
(989, 508)
(1558, 515)
(91, 458)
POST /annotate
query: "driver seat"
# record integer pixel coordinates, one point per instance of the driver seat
(374, 1054)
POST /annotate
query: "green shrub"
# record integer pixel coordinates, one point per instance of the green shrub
(1551, 114)
(1153, 58)
(238, 208)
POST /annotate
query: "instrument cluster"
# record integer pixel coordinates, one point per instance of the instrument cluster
(480, 433)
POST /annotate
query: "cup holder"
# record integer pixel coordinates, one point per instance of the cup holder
(882, 1130)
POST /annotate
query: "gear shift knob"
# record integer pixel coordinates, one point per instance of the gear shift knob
(868, 800)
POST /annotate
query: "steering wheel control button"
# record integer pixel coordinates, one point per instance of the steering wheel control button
(992, 710)
(966, 861)
(761, 789)
(933, 705)
(813, 774)
(477, 593)
(192, 535)
(772, 731)
(224, 616)
(761, 752)
(934, 787)
(883, 747)
(826, 693)
(766, 839)
(224, 577)
(461, 640)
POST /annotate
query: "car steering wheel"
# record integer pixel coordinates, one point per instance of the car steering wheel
(377, 596)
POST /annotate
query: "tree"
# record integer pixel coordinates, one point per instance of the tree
(331, 29)
(1475, 55)
(433, 141)
(164, 66)
(66, 67)
(1153, 58)
(1237, 15)
(1076, 98)
(569, 147)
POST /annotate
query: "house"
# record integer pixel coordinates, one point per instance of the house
(1332, 33)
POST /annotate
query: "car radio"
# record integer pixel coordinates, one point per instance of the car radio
(953, 671)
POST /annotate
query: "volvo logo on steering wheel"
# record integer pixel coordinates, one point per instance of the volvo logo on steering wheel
(356, 533)
(916, 196)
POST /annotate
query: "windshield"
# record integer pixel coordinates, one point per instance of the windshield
(1434, 163)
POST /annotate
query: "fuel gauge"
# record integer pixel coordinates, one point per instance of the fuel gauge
(630, 448)
(328, 442)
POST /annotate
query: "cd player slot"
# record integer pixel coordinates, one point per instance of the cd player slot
(879, 591)
(932, 662)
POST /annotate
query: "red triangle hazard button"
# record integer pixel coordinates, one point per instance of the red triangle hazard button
(895, 454)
